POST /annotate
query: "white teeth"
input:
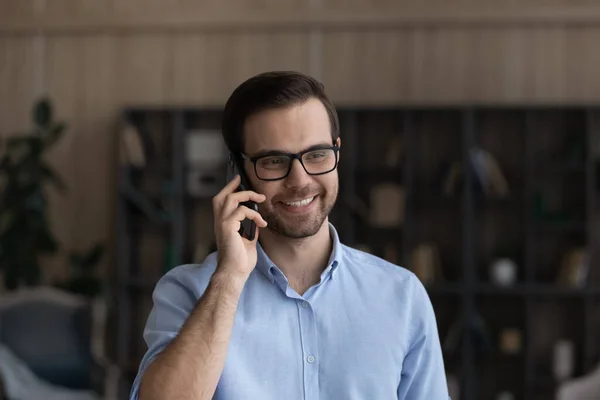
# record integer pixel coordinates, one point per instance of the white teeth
(301, 203)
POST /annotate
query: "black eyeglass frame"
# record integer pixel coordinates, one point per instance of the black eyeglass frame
(294, 156)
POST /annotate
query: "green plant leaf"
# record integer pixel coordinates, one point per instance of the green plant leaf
(48, 173)
(94, 256)
(6, 219)
(76, 261)
(15, 142)
(36, 147)
(55, 133)
(42, 113)
(46, 242)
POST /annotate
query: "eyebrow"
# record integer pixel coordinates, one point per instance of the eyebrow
(264, 153)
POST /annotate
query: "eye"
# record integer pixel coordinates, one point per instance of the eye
(316, 155)
(271, 162)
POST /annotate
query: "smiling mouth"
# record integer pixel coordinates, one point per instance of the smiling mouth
(300, 203)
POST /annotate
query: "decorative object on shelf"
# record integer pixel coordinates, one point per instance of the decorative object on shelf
(206, 157)
(503, 272)
(25, 228)
(581, 388)
(478, 332)
(547, 208)
(488, 177)
(426, 264)
(505, 396)
(205, 146)
(451, 176)
(563, 360)
(387, 205)
(489, 173)
(131, 152)
(453, 386)
(393, 156)
(511, 341)
(574, 268)
(356, 205)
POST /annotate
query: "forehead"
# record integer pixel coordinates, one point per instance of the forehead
(291, 129)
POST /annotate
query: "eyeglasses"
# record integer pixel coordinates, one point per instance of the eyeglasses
(315, 161)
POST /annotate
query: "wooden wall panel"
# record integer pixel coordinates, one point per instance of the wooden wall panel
(78, 8)
(92, 75)
(582, 65)
(80, 80)
(516, 65)
(17, 9)
(366, 67)
(142, 68)
(17, 87)
(65, 82)
(201, 68)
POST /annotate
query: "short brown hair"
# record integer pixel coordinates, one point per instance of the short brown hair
(271, 90)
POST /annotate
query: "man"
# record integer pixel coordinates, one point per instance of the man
(292, 314)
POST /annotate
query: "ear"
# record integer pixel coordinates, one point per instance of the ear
(339, 145)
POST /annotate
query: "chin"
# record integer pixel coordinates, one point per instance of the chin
(302, 225)
(296, 229)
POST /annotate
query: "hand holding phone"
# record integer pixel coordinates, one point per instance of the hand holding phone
(247, 227)
(236, 252)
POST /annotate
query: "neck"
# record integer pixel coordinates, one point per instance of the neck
(301, 260)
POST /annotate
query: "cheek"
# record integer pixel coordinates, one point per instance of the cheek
(268, 189)
(329, 182)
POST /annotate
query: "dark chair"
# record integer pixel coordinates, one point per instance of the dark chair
(55, 334)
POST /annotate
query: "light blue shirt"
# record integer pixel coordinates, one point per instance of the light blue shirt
(367, 330)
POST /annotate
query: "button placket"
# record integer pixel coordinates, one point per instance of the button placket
(308, 331)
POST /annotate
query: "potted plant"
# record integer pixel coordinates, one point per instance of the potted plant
(83, 278)
(25, 229)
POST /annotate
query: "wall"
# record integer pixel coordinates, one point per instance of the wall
(93, 58)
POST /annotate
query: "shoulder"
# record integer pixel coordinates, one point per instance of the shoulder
(191, 278)
(373, 265)
(388, 277)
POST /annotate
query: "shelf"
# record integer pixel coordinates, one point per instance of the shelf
(435, 200)
(464, 235)
(480, 202)
(377, 173)
(491, 202)
(574, 226)
(550, 168)
(445, 288)
(374, 235)
(526, 290)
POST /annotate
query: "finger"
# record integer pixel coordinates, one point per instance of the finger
(233, 200)
(231, 186)
(256, 230)
(242, 213)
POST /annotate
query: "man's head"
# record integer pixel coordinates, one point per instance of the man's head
(286, 112)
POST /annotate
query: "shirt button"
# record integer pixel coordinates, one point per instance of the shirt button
(305, 304)
(310, 359)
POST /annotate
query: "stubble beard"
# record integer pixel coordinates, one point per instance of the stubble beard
(301, 226)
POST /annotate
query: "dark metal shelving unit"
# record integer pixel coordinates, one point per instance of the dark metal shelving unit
(466, 205)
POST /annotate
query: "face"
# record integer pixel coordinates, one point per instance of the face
(292, 130)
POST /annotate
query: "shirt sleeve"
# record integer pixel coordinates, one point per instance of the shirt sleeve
(423, 373)
(172, 304)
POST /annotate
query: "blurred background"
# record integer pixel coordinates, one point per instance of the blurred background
(471, 156)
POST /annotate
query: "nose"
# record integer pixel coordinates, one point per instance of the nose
(297, 176)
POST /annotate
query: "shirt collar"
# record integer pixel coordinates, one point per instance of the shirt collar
(266, 266)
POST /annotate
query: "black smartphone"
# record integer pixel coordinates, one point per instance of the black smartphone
(234, 167)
